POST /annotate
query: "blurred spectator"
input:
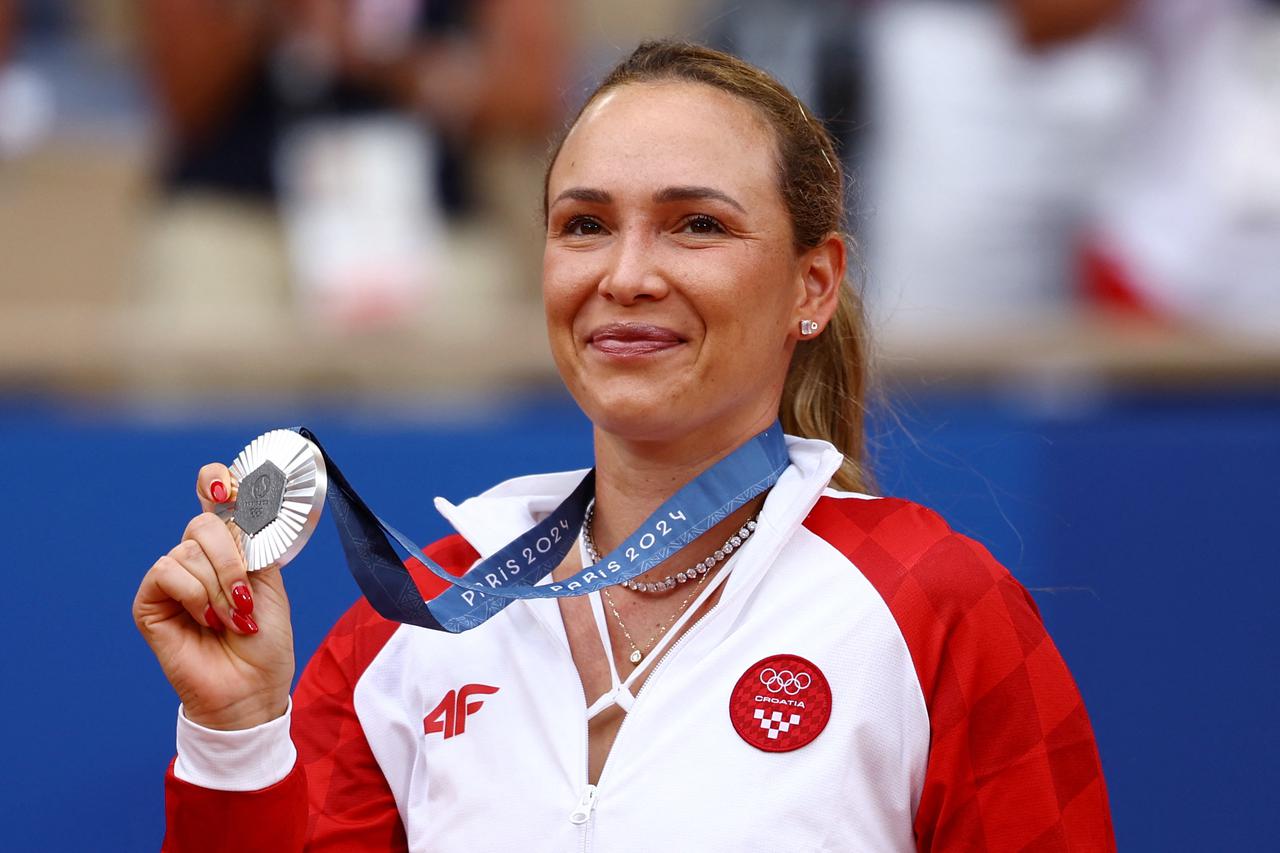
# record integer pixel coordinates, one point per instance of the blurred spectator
(359, 117)
(1045, 24)
(1188, 229)
(26, 101)
(8, 22)
(815, 47)
(990, 124)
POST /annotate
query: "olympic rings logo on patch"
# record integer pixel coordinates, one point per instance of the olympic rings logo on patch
(772, 722)
(785, 681)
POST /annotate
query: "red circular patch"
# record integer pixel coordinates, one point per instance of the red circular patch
(780, 703)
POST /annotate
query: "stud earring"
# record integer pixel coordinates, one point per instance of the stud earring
(808, 327)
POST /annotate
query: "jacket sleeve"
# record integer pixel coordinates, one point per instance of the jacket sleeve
(335, 797)
(1012, 763)
(1012, 760)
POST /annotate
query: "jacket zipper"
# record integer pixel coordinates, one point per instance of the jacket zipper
(657, 666)
(582, 813)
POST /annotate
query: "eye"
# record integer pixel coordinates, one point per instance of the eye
(702, 224)
(582, 226)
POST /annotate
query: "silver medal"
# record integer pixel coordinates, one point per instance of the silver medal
(279, 490)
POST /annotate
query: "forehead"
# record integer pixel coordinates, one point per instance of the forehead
(646, 136)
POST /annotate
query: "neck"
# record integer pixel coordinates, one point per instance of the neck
(635, 477)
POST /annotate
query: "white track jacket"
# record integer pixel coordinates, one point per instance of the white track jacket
(868, 681)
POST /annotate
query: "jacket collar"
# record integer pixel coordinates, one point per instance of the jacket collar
(493, 518)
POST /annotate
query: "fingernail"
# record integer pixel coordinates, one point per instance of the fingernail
(211, 619)
(218, 491)
(242, 598)
(244, 624)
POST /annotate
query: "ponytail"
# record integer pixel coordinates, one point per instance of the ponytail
(825, 388)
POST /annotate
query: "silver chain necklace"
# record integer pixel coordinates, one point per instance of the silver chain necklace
(668, 583)
(698, 572)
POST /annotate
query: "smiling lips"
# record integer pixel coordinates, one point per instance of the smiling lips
(632, 339)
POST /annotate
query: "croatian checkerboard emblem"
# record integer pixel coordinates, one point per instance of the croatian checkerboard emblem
(780, 703)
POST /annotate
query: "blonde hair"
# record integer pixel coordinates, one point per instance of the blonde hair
(826, 383)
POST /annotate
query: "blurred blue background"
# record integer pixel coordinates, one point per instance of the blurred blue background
(1067, 218)
(1139, 524)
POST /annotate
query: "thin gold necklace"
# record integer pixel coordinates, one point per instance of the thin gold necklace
(701, 572)
(637, 654)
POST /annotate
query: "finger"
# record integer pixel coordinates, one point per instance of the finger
(191, 556)
(214, 486)
(223, 553)
(169, 581)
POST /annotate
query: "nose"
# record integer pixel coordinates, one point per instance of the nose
(632, 274)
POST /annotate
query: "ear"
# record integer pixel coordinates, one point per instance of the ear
(821, 275)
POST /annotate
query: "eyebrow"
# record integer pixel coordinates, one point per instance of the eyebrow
(695, 194)
(584, 194)
(663, 196)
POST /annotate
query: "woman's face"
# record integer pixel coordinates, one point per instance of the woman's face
(670, 278)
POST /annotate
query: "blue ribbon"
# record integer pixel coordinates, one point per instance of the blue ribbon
(513, 572)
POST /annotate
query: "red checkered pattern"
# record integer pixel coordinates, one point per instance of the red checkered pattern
(759, 709)
(1012, 759)
(336, 798)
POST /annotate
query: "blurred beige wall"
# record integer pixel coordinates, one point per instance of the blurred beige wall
(69, 216)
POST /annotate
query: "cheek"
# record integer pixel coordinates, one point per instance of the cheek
(558, 290)
(565, 290)
(756, 308)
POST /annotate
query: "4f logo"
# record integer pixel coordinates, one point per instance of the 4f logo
(450, 716)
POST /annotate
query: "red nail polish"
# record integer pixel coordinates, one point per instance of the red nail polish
(244, 624)
(242, 598)
(211, 619)
(218, 491)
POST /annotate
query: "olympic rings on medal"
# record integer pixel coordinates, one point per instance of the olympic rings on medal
(786, 681)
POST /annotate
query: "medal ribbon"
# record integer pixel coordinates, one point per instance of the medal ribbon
(514, 571)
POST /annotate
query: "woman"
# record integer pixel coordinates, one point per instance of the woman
(851, 675)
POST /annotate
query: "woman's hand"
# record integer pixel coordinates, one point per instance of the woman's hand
(223, 637)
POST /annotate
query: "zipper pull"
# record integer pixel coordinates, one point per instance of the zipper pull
(582, 813)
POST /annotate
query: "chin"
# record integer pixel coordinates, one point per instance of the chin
(637, 414)
(636, 421)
